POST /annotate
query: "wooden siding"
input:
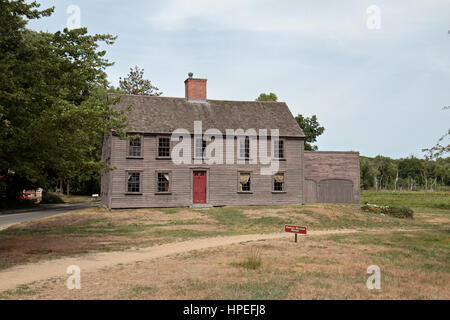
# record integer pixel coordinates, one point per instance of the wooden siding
(310, 191)
(333, 173)
(221, 179)
(335, 191)
(106, 191)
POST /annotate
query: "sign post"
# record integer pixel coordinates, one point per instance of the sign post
(295, 229)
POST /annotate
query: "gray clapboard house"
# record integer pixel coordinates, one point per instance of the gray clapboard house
(147, 174)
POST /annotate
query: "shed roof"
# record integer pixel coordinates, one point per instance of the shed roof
(164, 115)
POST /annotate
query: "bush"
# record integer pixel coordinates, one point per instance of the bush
(400, 212)
(252, 262)
(397, 212)
(50, 198)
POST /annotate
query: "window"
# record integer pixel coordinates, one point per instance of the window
(244, 148)
(134, 182)
(164, 147)
(244, 181)
(278, 182)
(279, 149)
(163, 182)
(135, 147)
(200, 146)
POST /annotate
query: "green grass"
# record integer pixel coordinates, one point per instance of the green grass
(22, 290)
(440, 200)
(252, 262)
(138, 290)
(235, 221)
(423, 250)
(98, 226)
(170, 210)
(257, 290)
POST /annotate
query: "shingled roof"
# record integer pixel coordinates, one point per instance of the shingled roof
(164, 115)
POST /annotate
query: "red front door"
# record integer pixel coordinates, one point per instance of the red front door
(199, 186)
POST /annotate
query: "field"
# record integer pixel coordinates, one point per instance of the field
(329, 263)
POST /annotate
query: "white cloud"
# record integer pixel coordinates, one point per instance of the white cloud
(345, 20)
(257, 16)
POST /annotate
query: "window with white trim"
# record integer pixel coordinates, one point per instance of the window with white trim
(135, 147)
(163, 181)
(244, 148)
(245, 182)
(200, 146)
(164, 147)
(134, 182)
(278, 182)
(278, 149)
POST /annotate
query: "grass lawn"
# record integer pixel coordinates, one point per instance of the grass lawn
(414, 264)
(75, 199)
(410, 199)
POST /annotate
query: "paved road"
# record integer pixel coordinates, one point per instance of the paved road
(38, 213)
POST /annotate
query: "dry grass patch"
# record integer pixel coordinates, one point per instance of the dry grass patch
(97, 229)
(413, 266)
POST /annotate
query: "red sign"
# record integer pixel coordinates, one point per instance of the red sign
(295, 229)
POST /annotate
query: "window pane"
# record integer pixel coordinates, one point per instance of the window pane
(244, 181)
(135, 148)
(200, 146)
(164, 147)
(134, 179)
(278, 149)
(163, 182)
(278, 182)
(244, 148)
(281, 149)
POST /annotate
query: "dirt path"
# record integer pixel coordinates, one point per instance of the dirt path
(19, 275)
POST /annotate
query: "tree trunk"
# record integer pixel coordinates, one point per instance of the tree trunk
(434, 183)
(68, 188)
(426, 180)
(396, 181)
(375, 183)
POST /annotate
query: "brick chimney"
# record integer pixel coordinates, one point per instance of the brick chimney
(195, 88)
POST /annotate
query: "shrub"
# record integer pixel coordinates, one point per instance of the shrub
(50, 198)
(397, 212)
(252, 262)
(400, 212)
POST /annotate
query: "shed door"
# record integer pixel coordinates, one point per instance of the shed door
(335, 191)
(310, 191)
(199, 187)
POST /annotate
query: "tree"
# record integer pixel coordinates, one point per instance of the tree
(135, 83)
(368, 174)
(54, 109)
(267, 97)
(439, 149)
(312, 129)
(411, 170)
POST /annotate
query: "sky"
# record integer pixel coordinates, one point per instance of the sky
(376, 73)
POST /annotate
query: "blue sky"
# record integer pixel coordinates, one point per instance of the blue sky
(378, 91)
